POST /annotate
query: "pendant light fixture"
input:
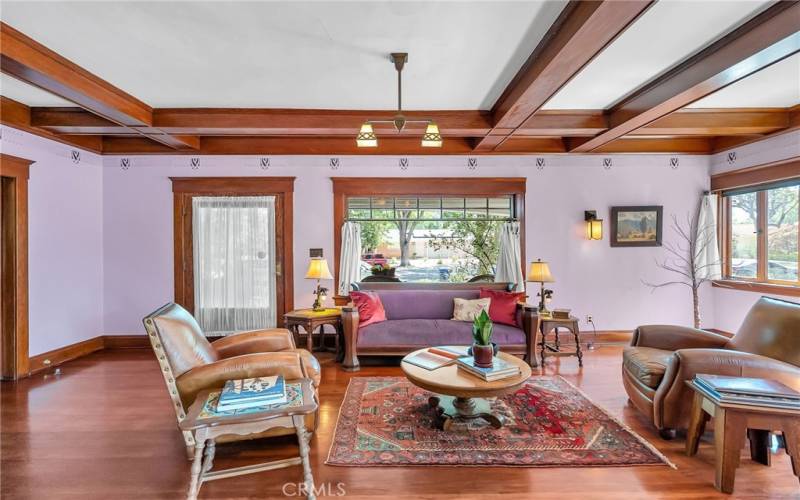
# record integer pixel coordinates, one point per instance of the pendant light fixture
(366, 137)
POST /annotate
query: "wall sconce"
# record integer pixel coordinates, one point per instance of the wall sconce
(594, 226)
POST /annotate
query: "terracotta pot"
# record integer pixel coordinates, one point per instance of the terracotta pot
(483, 355)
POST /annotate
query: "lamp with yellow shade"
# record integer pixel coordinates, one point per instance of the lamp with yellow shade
(318, 270)
(539, 272)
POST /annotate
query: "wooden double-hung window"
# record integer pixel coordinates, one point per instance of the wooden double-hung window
(761, 234)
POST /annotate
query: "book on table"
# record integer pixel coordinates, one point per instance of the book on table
(748, 391)
(252, 393)
(436, 357)
(500, 368)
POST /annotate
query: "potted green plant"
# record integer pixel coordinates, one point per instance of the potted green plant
(482, 347)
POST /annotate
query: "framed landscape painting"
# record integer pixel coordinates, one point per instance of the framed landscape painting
(636, 226)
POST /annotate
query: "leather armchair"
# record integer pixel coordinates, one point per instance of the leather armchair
(661, 358)
(190, 363)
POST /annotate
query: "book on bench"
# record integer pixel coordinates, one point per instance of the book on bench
(252, 393)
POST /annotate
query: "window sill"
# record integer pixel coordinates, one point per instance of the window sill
(752, 286)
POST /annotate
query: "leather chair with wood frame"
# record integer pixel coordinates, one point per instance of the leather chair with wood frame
(661, 358)
(190, 363)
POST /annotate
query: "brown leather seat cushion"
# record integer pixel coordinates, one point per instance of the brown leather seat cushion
(646, 364)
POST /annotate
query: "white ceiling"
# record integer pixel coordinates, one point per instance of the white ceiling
(294, 54)
(28, 94)
(668, 32)
(774, 86)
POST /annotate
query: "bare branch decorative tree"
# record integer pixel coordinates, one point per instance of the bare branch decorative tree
(683, 259)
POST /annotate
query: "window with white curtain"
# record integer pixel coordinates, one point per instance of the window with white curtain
(234, 263)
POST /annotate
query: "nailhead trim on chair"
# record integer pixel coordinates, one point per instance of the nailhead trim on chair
(166, 371)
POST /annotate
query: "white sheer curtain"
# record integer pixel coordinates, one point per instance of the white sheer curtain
(234, 263)
(509, 260)
(350, 260)
(708, 263)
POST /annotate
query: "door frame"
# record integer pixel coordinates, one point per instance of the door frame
(186, 188)
(14, 356)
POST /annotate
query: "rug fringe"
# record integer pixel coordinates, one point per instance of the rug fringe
(619, 422)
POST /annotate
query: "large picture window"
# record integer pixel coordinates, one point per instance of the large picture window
(762, 236)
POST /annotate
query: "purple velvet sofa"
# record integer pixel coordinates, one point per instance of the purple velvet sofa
(418, 315)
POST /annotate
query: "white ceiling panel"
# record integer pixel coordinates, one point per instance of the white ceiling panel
(667, 33)
(776, 86)
(294, 54)
(28, 94)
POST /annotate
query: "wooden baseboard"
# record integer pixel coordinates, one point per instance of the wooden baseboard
(61, 355)
(126, 341)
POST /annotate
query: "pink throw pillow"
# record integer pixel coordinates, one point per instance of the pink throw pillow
(370, 308)
(503, 307)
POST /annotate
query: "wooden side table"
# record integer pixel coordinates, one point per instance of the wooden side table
(731, 422)
(206, 427)
(311, 321)
(554, 349)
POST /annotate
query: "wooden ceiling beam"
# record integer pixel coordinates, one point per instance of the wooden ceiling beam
(718, 122)
(17, 115)
(581, 32)
(29, 61)
(765, 39)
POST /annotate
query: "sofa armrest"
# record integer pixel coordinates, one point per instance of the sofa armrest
(672, 338)
(214, 375)
(530, 325)
(673, 397)
(268, 340)
(350, 321)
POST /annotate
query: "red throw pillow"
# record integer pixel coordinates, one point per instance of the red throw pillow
(370, 308)
(503, 307)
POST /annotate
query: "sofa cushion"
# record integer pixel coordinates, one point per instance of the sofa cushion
(370, 308)
(646, 364)
(422, 304)
(503, 307)
(430, 332)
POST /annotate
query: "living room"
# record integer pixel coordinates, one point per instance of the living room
(601, 197)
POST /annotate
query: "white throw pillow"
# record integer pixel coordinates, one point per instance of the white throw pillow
(468, 310)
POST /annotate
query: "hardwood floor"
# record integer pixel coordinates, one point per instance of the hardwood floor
(104, 428)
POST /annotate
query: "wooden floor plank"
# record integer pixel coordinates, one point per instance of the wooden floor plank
(104, 428)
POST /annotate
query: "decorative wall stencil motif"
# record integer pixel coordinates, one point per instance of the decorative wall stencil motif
(334, 163)
(540, 163)
(607, 163)
(404, 163)
(674, 162)
(194, 163)
(264, 163)
(472, 163)
(76, 156)
(125, 163)
(732, 157)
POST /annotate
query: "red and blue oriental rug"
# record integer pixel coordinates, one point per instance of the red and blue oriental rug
(547, 423)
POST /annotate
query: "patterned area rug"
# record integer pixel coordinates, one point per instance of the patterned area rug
(547, 423)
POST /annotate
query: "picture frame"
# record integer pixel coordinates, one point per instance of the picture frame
(637, 226)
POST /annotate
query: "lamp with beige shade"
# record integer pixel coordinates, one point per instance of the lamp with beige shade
(539, 272)
(318, 270)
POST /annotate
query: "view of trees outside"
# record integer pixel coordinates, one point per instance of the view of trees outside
(782, 234)
(453, 251)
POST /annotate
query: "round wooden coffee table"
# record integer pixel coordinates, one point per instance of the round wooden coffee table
(461, 395)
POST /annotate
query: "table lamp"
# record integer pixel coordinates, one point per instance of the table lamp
(318, 270)
(539, 272)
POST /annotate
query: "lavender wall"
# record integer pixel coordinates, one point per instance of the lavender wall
(65, 249)
(730, 306)
(592, 278)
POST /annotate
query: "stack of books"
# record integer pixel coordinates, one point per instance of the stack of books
(748, 391)
(500, 369)
(252, 393)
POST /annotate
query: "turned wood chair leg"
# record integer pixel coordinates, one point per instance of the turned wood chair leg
(197, 468)
(303, 438)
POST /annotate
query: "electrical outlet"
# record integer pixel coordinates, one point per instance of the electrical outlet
(589, 318)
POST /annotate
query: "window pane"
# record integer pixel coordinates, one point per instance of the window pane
(744, 245)
(782, 233)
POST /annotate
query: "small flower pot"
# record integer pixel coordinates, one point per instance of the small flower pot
(483, 355)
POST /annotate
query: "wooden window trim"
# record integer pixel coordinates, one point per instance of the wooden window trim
(344, 187)
(753, 177)
(14, 334)
(185, 188)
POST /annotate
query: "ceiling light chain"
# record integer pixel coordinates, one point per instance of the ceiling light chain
(366, 137)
